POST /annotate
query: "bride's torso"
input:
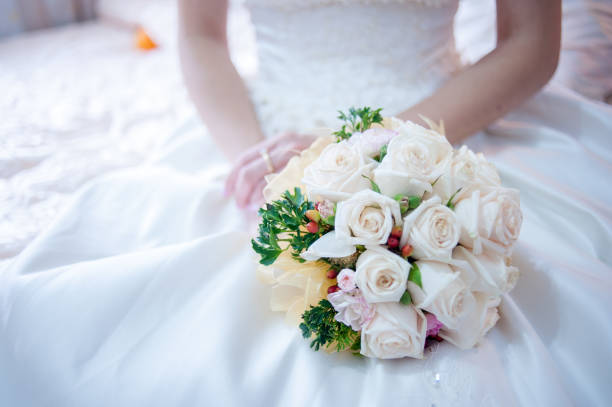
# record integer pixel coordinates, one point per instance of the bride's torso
(318, 56)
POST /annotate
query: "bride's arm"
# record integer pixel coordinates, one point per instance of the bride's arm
(524, 60)
(222, 100)
(215, 87)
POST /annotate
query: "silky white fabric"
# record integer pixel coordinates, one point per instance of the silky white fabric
(143, 292)
(81, 100)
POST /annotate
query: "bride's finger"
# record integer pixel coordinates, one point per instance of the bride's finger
(254, 154)
(232, 178)
(255, 171)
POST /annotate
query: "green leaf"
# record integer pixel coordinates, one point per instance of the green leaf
(381, 155)
(268, 255)
(373, 184)
(414, 202)
(330, 220)
(406, 298)
(357, 120)
(324, 331)
(383, 152)
(285, 217)
(415, 275)
(407, 202)
(450, 203)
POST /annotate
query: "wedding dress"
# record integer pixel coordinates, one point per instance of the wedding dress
(143, 292)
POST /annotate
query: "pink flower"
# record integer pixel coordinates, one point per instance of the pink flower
(325, 208)
(346, 280)
(433, 325)
(352, 308)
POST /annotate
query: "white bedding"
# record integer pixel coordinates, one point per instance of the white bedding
(76, 102)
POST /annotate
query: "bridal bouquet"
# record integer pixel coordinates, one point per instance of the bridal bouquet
(381, 238)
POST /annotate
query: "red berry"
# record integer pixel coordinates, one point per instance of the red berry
(312, 227)
(406, 251)
(393, 242)
(332, 274)
(396, 232)
(333, 289)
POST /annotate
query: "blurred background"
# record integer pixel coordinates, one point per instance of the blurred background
(91, 86)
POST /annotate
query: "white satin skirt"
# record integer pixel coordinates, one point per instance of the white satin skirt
(143, 292)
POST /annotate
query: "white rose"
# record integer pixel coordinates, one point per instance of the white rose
(396, 331)
(366, 218)
(371, 140)
(488, 272)
(432, 229)
(475, 324)
(338, 172)
(414, 160)
(444, 293)
(465, 169)
(490, 218)
(381, 275)
(352, 308)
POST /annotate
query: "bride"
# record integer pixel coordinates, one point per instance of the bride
(144, 292)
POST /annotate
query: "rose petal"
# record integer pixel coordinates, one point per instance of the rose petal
(328, 246)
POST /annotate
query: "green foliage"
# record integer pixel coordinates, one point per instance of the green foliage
(330, 220)
(415, 275)
(450, 203)
(283, 221)
(383, 152)
(407, 203)
(357, 120)
(373, 184)
(320, 325)
(406, 298)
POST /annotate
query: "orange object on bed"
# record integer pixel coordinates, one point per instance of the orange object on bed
(143, 41)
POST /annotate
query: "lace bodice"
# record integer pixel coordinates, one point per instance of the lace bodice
(319, 56)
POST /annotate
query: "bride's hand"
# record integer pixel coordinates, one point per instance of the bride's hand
(246, 180)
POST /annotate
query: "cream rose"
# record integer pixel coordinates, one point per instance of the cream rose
(432, 230)
(396, 331)
(488, 272)
(475, 324)
(465, 169)
(414, 160)
(490, 218)
(371, 141)
(444, 293)
(381, 275)
(338, 172)
(366, 218)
